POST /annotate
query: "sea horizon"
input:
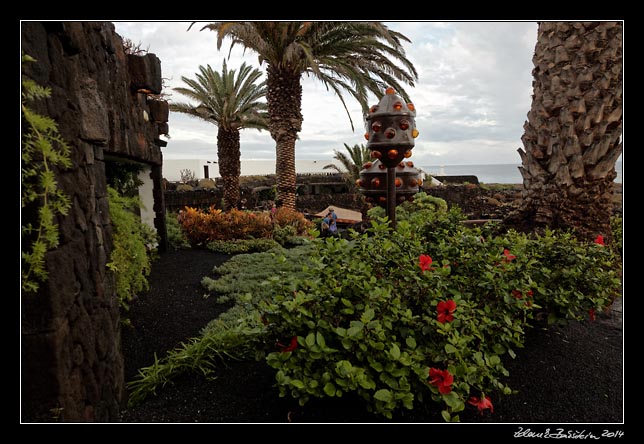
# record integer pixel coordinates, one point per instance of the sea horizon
(503, 173)
(506, 173)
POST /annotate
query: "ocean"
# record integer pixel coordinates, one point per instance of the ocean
(488, 173)
(491, 173)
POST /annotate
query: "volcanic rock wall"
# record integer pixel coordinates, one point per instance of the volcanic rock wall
(102, 100)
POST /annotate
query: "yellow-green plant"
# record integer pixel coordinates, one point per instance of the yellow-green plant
(43, 150)
(133, 240)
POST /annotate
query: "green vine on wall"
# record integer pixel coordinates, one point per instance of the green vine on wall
(134, 244)
(42, 149)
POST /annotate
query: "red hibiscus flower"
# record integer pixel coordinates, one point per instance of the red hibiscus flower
(529, 293)
(445, 311)
(442, 379)
(599, 240)
(424, 262)
(290, 347)
(481, 404)
(591, 313)
(508, 256)
(517, 294)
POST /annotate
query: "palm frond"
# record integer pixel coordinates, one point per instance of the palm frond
(352, 162)
(228, 98)
(361, 57)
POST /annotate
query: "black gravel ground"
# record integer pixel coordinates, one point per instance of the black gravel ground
(571, 374)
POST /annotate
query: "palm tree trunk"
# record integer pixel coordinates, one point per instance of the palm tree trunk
(572, 138)
(284, 99)
(228, 153)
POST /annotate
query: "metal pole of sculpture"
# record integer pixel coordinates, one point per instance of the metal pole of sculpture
(391, 195)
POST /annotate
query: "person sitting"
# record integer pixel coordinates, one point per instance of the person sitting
(333, 227)
(329, 226)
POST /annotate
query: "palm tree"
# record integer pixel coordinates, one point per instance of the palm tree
(572, 138)
(230, 101)
(354, 57)
(352, 164)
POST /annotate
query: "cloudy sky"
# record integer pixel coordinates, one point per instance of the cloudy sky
(471, 98)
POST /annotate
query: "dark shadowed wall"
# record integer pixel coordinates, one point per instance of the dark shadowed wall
(102, 99)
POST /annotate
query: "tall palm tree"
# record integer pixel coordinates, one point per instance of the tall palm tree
(352, 163)
(231, 101)
(572, 137)
(353, 57)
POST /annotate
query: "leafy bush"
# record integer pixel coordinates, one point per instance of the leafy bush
(423, 207)
(176, 238)
(211, 225)
(617, 227)
(123, 176)
(398, 320)
(572, 279)
(426, 313)
(286, 217)
(130, 259)
(288, 236)
(283, 235)
(202, 226)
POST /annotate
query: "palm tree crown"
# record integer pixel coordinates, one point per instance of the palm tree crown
(352, 163)
(357, 57)
(353, 57)
(228, 100)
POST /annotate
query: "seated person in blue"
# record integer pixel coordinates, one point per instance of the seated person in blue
(329, 226)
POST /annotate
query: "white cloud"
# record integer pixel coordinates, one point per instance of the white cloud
(472, 95)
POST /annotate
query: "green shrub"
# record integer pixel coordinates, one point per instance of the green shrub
(421, 209)
(176, 238)
(617, 227)
(285, 217)
(282, 235)
(133, 241)
(423, 314)
(570, 278)
(373, 316)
